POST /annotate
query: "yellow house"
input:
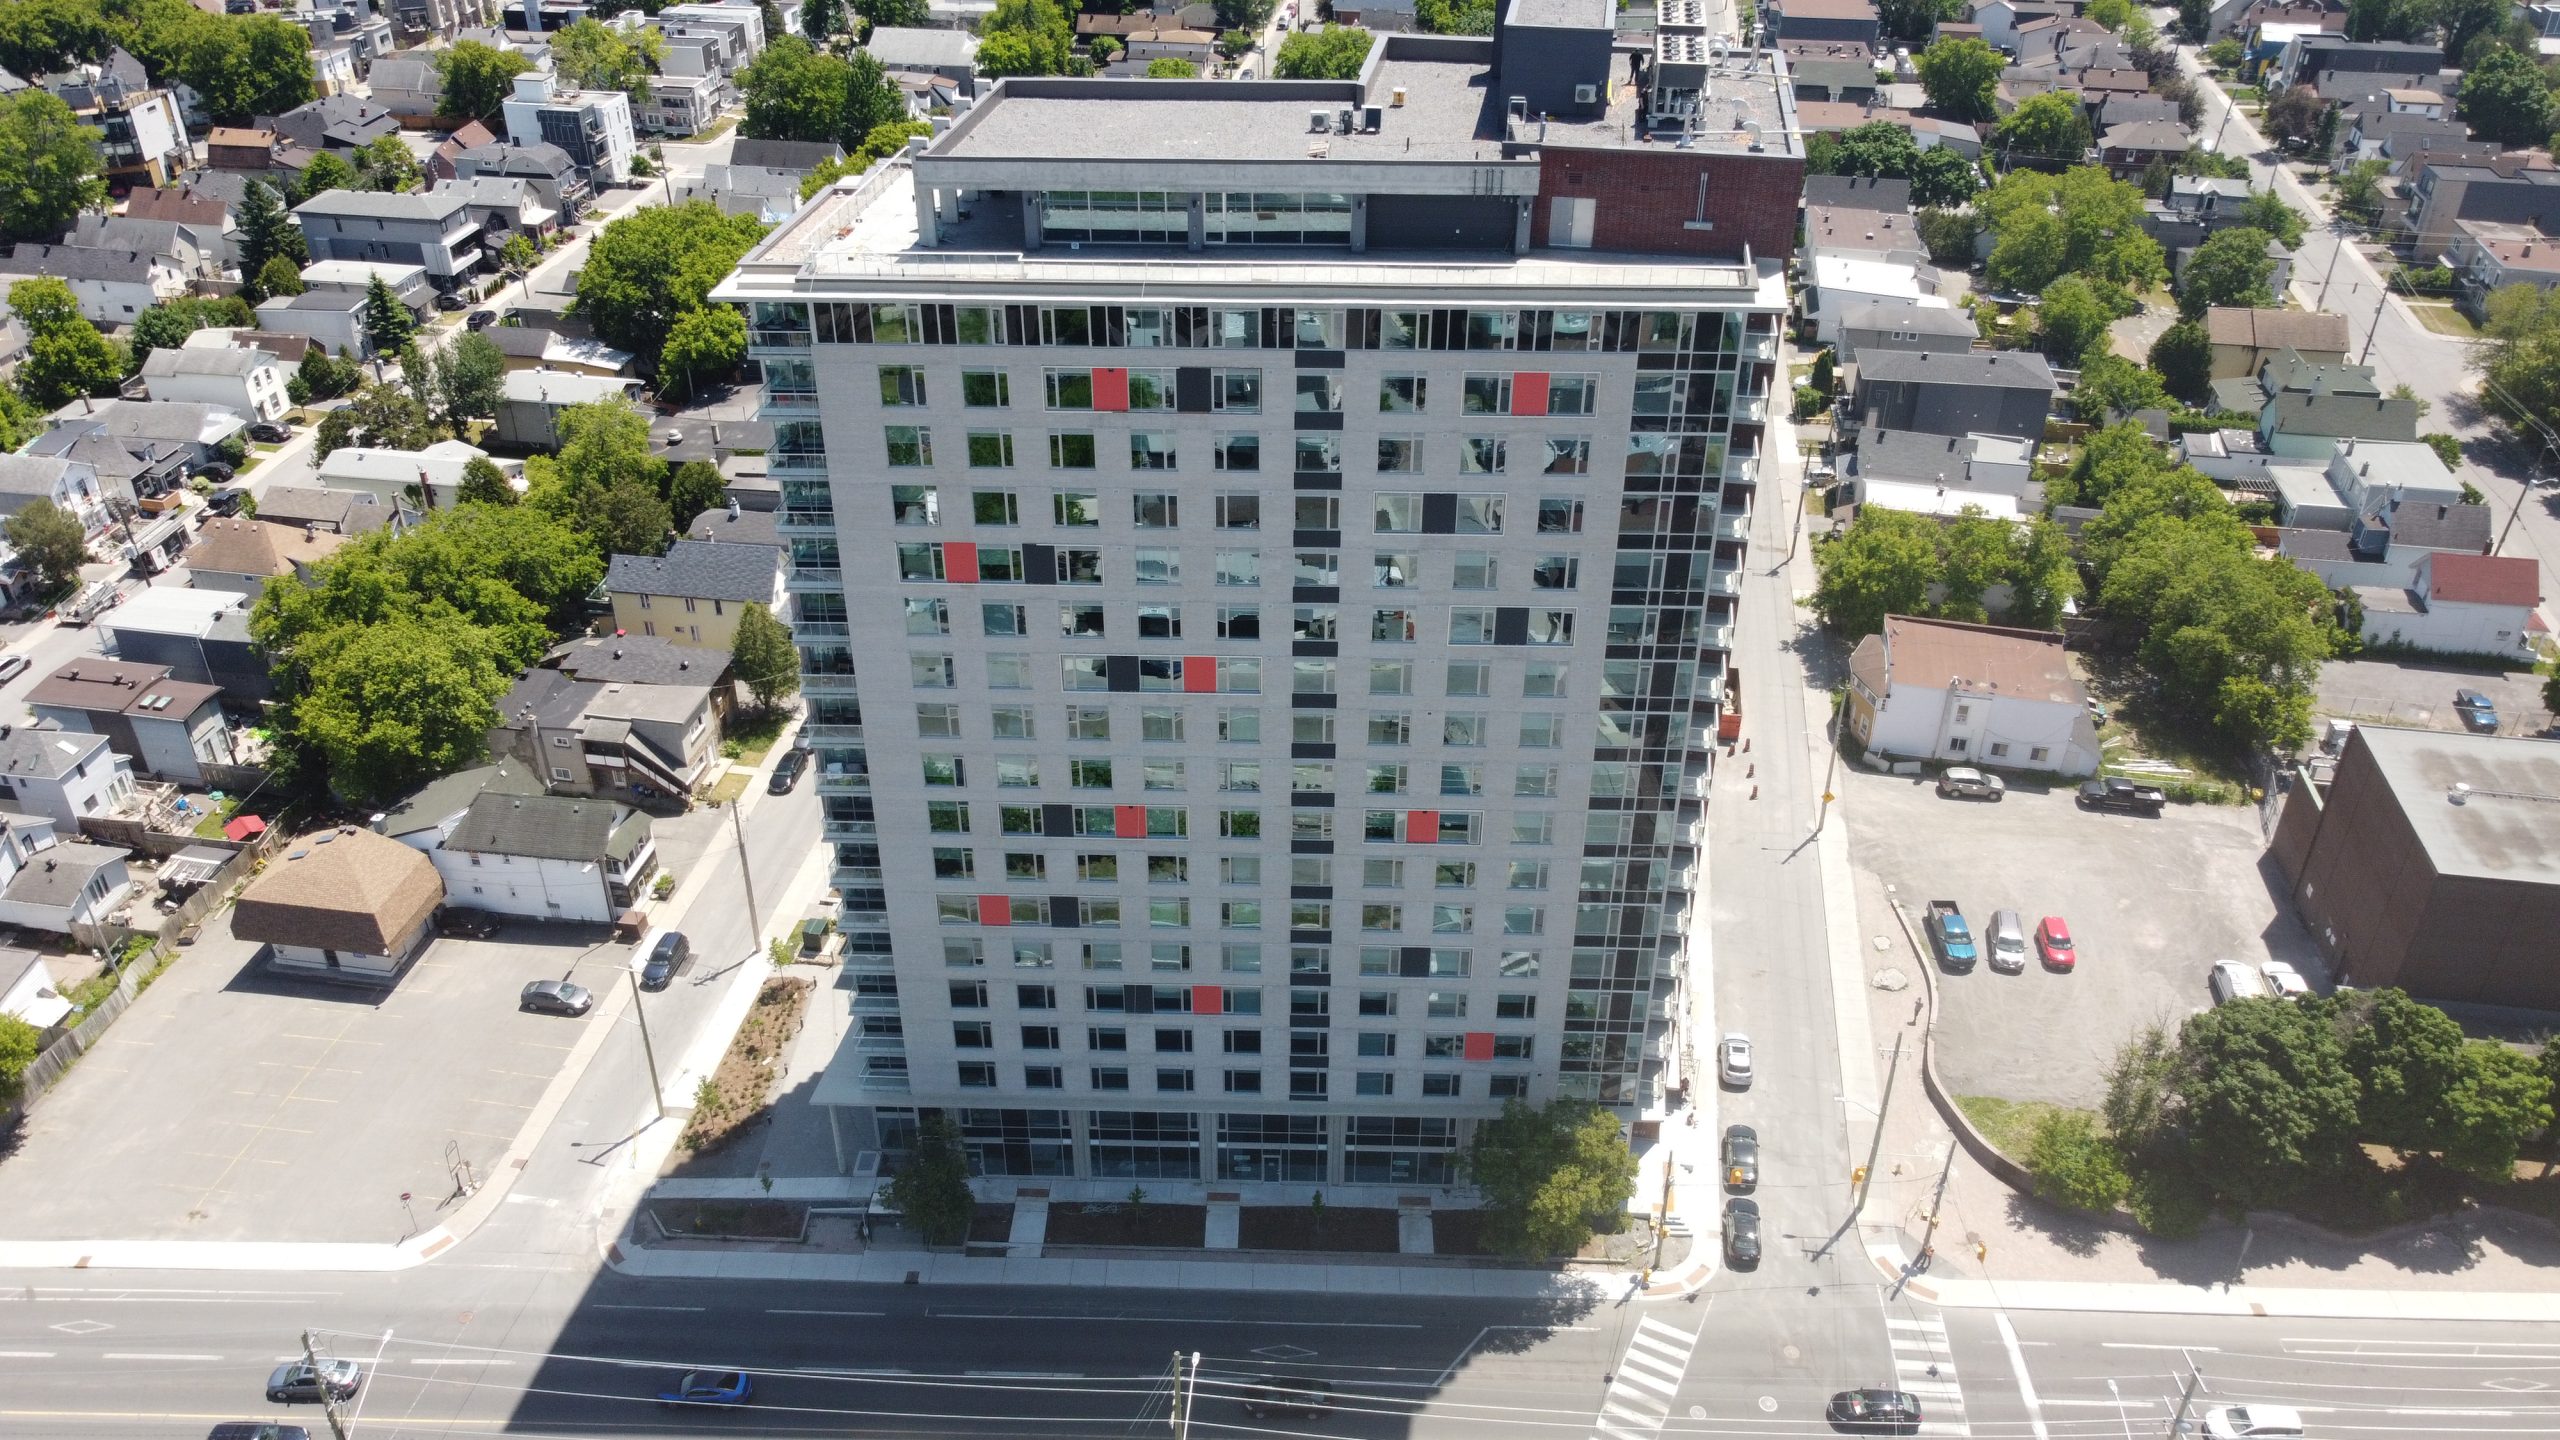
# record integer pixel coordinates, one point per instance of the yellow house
(694, 594)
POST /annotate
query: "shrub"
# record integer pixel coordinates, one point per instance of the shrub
(2169, 1202)
(2074, 1165)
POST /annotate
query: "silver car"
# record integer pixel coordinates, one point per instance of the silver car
(1733, 1060)
(2008, 940)
(1963, 781)
(296, 1382)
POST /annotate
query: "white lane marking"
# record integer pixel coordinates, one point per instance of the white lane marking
(26, 1354)
(2018, 1365)
(2116, 1404)
(1023, 1374)
(844, 1373)
(850, 1314)
(1638, 1402)
(152, 1355)
(2482, 1414)
(2129, 1345)
(462, 1362)
(1151, 1320)
(677, 1309)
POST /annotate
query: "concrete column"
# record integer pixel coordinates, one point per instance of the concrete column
(835, 1132)
(1031, 211)
(1521, 231)
(1359, 224)
(1199, 208)
(1080, 1122)
(928, 217)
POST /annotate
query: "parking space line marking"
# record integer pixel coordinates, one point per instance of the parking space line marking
(327, 1039)
(675, 1309)
(858, 1314)
(26, 1354)
(152, 1355)
(523, 1075)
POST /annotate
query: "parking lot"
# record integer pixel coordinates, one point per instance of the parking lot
(2151, 904)
(228, 1104)
(2401, 692)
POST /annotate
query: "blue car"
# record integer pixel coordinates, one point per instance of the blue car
(724, 1389)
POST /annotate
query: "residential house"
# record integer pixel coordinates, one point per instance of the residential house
(1855, 495)
(143, 138)
(2368, 131)
(409, 284)
(242, 555)
(2310, 58)
(553, 174)
(1852, 20)
(2003, 393)
(426, 817)
(638, 741)
(583, 860)
(164, 728)
(339, 122)
(345, 512)
(1835, 285)
(762, 177)
(1970, 695)
(249, 381)
(2489, 255)
(2128, 150)
(35, 996)
(2445, 194)
(202, 251)
(593, 126)
(530, 402)
(504, 205)
(113, 286)
(2313, 407)
(2246, 340)
(734, 524)
(1999, 19)
(1932, 134)
(681, 105)
(1928, 323)
(1858, 192)
(138, 469)
(397, 477)
(64, 774)
(206, 216)
(68, 887)
(1864, 235)
(2459, 605)
(201, 636)
(951, 55)
(442, 164)
(344, 904)
(737, 30)
(239, 147)
(694, 594)
(1834, 70)
(529, 347)
(433, 229)
(2384, 548)
(288, 349)
(67, 483)
(330, 319)
(204, 430)
(2125, 109)
(409, 85)
(1977, 464)
(2375, 475)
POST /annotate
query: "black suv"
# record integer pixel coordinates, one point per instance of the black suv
(667, 959)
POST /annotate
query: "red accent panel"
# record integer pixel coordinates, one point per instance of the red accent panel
(1479, 1045)
(1529, 392)
(960, 561)
(1129, 822)
(995, 910)
(1200, 674)
(1208, 999)
(1422, 827)
(1111, 389)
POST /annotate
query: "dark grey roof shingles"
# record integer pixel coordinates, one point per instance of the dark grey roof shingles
(699, 569)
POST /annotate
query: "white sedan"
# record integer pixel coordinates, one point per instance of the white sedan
(1733, 1060)
(2285, 981)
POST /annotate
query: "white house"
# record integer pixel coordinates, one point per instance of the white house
(393, 474)
(249, 381)
(593, 126)
(2372, 474)
(2458, 605)
(1970, 695)
(331, 319)
(66, 887)
(1840, 284)
(63, 774)
(71, 484)
(113, 286)
(547, 857)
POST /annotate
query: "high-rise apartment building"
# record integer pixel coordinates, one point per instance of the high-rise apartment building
(1264, 558)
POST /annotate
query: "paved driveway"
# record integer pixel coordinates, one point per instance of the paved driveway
(2418, 695)
(227, 1104)
(2152, 903)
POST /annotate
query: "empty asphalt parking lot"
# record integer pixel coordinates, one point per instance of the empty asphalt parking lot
(226, 1104)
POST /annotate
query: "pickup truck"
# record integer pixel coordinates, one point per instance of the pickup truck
(2117, 793)
(1950, 936)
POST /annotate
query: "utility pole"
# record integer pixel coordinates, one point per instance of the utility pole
(747, 873)
(657, 1091)
(2186, 1397)
(329, 1405)
(2379, 305)
(2338, 247)
(1186, 1375)
(2550, 442)
(1866, 1176)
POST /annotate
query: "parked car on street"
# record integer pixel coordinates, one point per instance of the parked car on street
(215, 471)
(2232, 980)
(1741, 1157)
(1950, 937)
(449, 301)
(556, 997)
(786, 772)
(480, 319)
(2053, 944)
(667, 958)
(2117, 793)
(1963, 782)
(2252, 1422)
(269, 433)
(296, 1382)
(1733, 1060)
(719, 1389)
(256, 1429)
(11, 667)
(1741, 1232)
(1268, 1397)
(1886, 1412)
(226, 503)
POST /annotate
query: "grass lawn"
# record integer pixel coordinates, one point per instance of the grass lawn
(2444, 319)
(210, 827)
(2007, 1124)
(718, 129)
(731, 786)
(2144, 742)
(752, 735)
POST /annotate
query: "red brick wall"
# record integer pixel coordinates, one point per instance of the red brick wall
(1647, 195)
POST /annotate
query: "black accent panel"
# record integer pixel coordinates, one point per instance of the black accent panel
(1413, 962)
(1065, 912)
(1311, 799)
(1511, 625)
(1319, 419)
(1442, 222)
(1310, 937)
(1040, 564)
(1311, 752)
(1318, 480)
(1654, 360)
(1320, 359)
(1310, 847)
(1316, 539)
(1310, 892)
(1057, 820)
(1122, 671)
(1315, 595)
(1315, 649)
(1191, 390)
(1299, 702)
(1440, 513)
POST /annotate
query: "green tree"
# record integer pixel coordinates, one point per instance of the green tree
(267, 234)
(2507, 100)
(820, 19)
(2499, 1099)
(393, 703)
(279, 276)
(2405, 1055)
(1961, 77)
(483, 483)
(871, 100)
(1975, 552)
(2459, 22)
(704, 345)
(652, 265)
(2044, 575)
(387, 323)
(66, 356)
(48, 537)
(18, 1050)
(2075, 1166)
(2081, 222)
(1878, 147)
(2111, 385)
(20, 421)
(381, 417)
(2230, 268)
(1883, 564)
(1941, 175)
(2073, 320)
(323, 376)
(902, 14)
(763, 657)
(2046, 132)
(1917, 20)
(931, 1189)
(518, 255)
(1170, 69)
(1026, 37)
(793, 92)
(468, 380)
(1551, 1176)
(889, 137)
(477, 79)
(41, 37)
(2295, 114)
(694, 488)
(604, 483)
(51, 166)
(326, 172)
(2448, 448)
(2389, 19)
(1950, 235)
(246, 66)
(2183, 356)
(1103, 48)
(1334, 53)
(2270, 1106)
(829, 172)
(2359, 188)
(593, 56)
(386, 165)
(167, 325)
(2265, 210)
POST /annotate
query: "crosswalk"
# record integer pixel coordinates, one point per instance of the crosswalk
(1924, 1366)
(1647, 1378)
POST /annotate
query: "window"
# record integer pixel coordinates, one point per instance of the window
(1155, 622)
(1069, 389)
(1568, 455)
(1559, 515)
(1236, 391)
(1315, 567)
(1390, 677)
(1001, 620)
(1151, 450)
(947, 817)
(977, 1075)
(1159, 567)
(932, 672)
(1154, 510)
(1319, 454)
(990, 450)
(986, 389)
(1555, 572)
(1319, 392)
(1479, 514)
(928, 617)
(1317, 512)
(1240, 727)
(1398, 513)
(1476, 570)
(1239, 622)
(1485, 395)
(942, 770)
(1240, 512)
(1482, 455)
(1527, 875)
(1039, 1037)
(1401, 394)
(1543, 679)
(1070, 450)
(1240, 568)
(1078, 619)
(1469, 677)
(1237, 452)
(1374, 1082)
(1399, 455)
(1110, 1077)
(1541, 732)
(1089, 774)
(914, 505)
(1536, 781)
(963, 952)
(1463, 731)
(910, 446)
(901, 385)
(1075, 507)
(954, 863)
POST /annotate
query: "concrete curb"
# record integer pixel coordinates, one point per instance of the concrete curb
(1231, 1276)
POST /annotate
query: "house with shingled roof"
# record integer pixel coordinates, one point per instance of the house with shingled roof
(694, 594)
(2246, 338)
(1987, 695)
(344, 904)
(2459, 605)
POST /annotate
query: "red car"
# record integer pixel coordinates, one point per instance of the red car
(2053, 943)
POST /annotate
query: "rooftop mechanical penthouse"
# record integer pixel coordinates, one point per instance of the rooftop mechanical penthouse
(1263, 567)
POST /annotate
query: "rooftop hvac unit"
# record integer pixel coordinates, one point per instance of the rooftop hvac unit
(1318, 122)
(1372, 117)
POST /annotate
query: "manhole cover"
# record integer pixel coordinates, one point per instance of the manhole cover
(2513, 1386)
(1697, 1412)
(1790, 1353)
(1768, 1406)
(1891, 979)
(81, 1327)
(1883, 944)
(1284, 1352)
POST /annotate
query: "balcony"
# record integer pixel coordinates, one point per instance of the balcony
(777, 340)
(1716, 637)
(880, 1045)
(886, 1084)
(1726, 581)
(825, 682)
(1733, 525)
(815, 575)
(796, 462)
(788, 521)
(816, 732)
(837, 780)
(790, 400)
(820, 630)
(833, 829)
(1759, 347)
(1751, 409)
(1745, 468)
